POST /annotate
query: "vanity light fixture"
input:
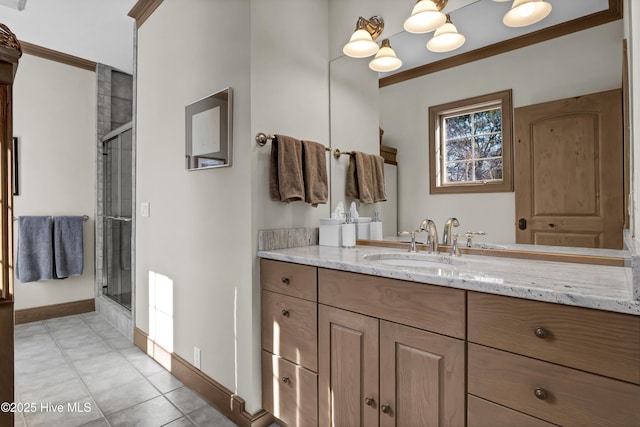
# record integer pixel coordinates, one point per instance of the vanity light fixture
(362, 44)
(426, 16)
(386, 59)
(526, 12)
(446, 38)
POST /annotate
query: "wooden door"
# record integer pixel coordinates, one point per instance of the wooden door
(422, 378)
(348, 368)
(569, 172)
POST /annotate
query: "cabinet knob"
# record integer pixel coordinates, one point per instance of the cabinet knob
(541, 332)
(285, 312)
(369, 401)
(541, 393)
(285, 380)
(284, 280)
(385, 409)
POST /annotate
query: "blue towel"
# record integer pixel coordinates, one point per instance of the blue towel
(35, 249)
(67, 246)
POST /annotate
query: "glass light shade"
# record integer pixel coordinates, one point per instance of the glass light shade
(425, 17)
(360, 45)
(386, 59)
(445, 39)
(526, 12)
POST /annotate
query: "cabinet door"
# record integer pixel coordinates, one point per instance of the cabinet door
(348, 368)
(421, 378)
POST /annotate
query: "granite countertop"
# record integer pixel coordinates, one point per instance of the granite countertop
(591, 286)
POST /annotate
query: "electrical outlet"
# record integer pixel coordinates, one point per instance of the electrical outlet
(196, 357)
(144, 209)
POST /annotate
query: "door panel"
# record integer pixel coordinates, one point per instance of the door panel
(421, 378)
(348, 368)
(569, 172)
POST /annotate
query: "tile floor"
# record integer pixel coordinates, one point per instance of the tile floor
(99, 378)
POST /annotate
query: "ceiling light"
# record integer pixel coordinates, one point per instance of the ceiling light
(446, 38)
(361, 44)
(426, 16)
(386, 59)
(14, 4)
(526, 12)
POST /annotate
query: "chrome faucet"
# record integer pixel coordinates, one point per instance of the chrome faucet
(451, 222)
(432, 235)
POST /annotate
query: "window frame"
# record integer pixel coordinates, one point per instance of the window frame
(504, 99)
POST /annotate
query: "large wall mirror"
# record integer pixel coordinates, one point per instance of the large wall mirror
(576, 64)
(209, 139)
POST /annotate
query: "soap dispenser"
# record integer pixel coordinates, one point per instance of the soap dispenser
(375, 228)
(348, 232)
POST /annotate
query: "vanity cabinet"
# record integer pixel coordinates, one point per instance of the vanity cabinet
(349, 349)
(289, 342)
(569, 366)
(374, 369)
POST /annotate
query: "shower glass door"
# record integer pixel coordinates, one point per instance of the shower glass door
(117, 215)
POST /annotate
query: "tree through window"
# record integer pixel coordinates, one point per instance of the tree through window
(470, 145)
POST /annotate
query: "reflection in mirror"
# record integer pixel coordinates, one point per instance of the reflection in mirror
(209, 131)
(526, 71)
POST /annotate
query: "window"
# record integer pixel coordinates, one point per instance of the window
(470, 145)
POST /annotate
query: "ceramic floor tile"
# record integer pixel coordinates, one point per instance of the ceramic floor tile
(119, 398)
(147, 366)
(100, 422)
(165, 381)
(133, 354)
(181, 422)
(45, 378)
(152, 413)
(186, 400)
(208, 416)
(71, 390)
(86, 352)
(95, 365)
(110, 378)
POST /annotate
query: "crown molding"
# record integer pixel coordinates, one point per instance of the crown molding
(54, 55)
(613, 13)
(143, 10)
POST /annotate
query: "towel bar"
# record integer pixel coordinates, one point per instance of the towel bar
(337, 153)
(84, 217)
(262, 138)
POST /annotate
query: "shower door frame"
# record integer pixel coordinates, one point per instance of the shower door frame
(116, 133)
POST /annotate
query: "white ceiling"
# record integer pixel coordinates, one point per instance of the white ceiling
(97, 30)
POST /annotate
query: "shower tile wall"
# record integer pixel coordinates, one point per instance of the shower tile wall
(115, 108)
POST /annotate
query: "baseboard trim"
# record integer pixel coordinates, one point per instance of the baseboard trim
(34, 314)
(230, 404)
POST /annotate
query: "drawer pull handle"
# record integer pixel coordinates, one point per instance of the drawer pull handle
(285, 380)
(385, 409)
(284, 280)
(541, 332)
(285, 313)
(369, 401)
(541, 393)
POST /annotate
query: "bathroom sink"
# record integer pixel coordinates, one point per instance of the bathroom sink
(409, 259)
(489, 246)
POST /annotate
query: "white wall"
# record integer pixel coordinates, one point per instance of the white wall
(585, 62)
(54, 117)
(632, 31)
(202, 231)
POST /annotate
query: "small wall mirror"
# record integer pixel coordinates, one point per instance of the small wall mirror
(209, 141)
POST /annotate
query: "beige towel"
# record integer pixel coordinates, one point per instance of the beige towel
(365, 178)
(314, 167)
(286, 182)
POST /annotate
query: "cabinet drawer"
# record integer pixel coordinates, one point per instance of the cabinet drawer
(482, 413)
(291, 279)
(290, 328)
(289, 391)
(597, 341)
(565, 396)
(433, 308)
